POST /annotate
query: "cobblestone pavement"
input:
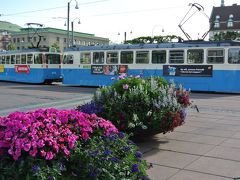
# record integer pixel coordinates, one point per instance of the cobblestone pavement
(206, 147)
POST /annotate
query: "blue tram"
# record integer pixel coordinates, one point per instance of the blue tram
(30, 66)
(199, 65)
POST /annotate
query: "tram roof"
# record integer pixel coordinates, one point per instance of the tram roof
(152, 46)
(25, 51)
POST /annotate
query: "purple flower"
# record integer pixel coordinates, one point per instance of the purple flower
(138, 155)
(107, 152)
(135, 168)
(126, 148)
(125, 86)
(35, 168)
(91, 108)
(121, 135)
(114, 159)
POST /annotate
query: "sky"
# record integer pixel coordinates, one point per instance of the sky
(111, 18)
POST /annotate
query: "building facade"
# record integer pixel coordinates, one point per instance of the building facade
(6, 30)
(224, 19)
(46, 37)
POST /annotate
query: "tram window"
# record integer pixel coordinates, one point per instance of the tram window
(53, 58)
(98, 57)
(29, 58)
(142, 57)
(215, 56)
(112, 57)
(3, 60)
(12, 59)
(127, 57)
(158, 57)
(176, 56)
(18, 59)
(68, 59)
(234, 56)
(38, 59)
(195, 56)
(0, 59)
(23, 59)
(7, 59)
(85, 58)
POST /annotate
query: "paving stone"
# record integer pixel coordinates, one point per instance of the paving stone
(231, 143)
(198, 138)
(216, 166)
(161, 172)
(225, 153)
(189, 175)
(168, 158)
(186, 147)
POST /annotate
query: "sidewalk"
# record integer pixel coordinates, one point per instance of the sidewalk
(206, 147)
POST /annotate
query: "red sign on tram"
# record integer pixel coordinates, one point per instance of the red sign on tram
(22, 69)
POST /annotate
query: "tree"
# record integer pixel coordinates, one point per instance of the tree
(11, 47)
(155, 39)
(55, 47)
(229, 35)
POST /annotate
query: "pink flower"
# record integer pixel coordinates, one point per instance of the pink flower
(40, 143)
(49, 155)
(33, 152)
(26, 147)
(43, 153)
(66, 152)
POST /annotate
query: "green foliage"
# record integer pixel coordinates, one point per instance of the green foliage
(55, 47)
(155, 39)
(229, 35)
(11, 47)
(142, 106)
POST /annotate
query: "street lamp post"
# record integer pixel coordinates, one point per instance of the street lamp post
(125, 36)
(72, 28)
(68, 20)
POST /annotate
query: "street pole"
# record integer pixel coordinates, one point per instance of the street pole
(68, 13)
(125, 37)
(72, 32)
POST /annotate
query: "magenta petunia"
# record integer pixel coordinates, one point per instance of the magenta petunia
(47, 133)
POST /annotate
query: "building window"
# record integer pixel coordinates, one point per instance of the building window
(217, 22)
(58, 39)
(230, 21)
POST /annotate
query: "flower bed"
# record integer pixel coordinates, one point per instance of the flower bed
(140, 106)
(66, 144)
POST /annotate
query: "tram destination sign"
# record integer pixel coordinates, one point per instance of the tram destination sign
(188, 70)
